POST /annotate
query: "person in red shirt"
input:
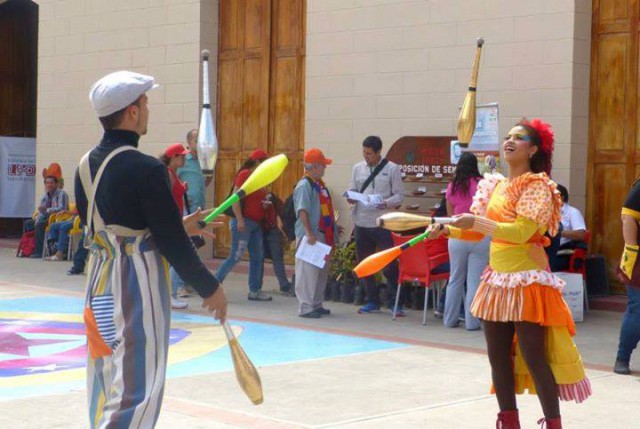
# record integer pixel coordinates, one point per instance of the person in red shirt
(173, 157)
(246, 230)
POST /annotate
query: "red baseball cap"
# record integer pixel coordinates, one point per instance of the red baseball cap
(258, 155)
(175, 149)
(315, 156)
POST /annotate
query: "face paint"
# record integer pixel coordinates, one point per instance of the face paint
(518, 133)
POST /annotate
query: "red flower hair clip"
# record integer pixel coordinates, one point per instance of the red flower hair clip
(545, 132)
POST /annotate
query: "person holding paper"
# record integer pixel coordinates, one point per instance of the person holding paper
(379, 178)
(315, 223)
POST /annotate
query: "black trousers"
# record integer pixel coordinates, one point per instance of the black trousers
(368, 242)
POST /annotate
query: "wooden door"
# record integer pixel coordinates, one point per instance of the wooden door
(286, 101)
(18, 79)
(614, 143)
(261, 90)
(18, 68)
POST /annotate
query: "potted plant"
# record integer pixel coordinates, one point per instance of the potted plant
(342, 281)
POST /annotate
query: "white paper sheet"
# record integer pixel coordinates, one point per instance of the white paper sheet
(369, 200)
(316, 255)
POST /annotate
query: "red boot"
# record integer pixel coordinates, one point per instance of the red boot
(508, 420)
(554, 423)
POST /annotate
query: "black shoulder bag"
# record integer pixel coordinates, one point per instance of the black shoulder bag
(373, 174)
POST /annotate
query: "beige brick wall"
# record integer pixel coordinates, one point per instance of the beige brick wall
(386, 67)
(82, 40)
(401, 67)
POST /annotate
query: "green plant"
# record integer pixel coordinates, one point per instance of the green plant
(343, 260)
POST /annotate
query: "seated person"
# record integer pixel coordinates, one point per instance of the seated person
(53, 201)
(59, 235)
(573, 232)
(552, 250)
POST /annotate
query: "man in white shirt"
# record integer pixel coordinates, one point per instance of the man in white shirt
(572, 234)
(574, 229)
(387, 186)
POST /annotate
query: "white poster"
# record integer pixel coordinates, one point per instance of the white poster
(486, 137)
(17, 176)
(485, 143)
(573, 294)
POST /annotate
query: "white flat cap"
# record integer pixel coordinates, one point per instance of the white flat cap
(117, 90)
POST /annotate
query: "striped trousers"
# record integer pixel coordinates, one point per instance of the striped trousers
(128, 315)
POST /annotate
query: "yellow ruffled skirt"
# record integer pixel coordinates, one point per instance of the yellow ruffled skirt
(535, 297)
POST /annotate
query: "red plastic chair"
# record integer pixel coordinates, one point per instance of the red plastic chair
(416, 265)
(578, 261)
(578, 265)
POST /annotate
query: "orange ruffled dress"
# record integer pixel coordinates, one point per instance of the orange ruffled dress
(517, 285)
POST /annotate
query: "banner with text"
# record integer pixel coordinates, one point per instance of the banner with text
(17, 176)
(423, 157)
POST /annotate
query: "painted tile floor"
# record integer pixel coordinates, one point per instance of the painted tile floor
(43, 347)
(342, 371)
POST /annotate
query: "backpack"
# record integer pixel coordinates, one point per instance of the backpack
(289, 216)
(27, 244)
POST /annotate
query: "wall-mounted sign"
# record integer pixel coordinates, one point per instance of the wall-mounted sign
(485, 143)
(427, 157)
(486, 137)
(437, 157)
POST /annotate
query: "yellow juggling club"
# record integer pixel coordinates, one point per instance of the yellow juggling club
(263, 175)
(399, 221)
(467, 118)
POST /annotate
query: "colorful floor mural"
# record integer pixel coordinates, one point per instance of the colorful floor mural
(43, 346)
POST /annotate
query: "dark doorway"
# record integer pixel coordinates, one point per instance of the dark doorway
(18, 79)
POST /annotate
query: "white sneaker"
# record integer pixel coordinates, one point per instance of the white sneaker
(183, 292)
(176, 304)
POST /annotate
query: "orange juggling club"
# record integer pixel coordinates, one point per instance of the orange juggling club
(376, 262)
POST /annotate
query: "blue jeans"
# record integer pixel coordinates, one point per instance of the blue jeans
(80, 257)
(176, 282)
(273, 238)
(59, 231)
(630, 330)
(251, 240)
(368, 242)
